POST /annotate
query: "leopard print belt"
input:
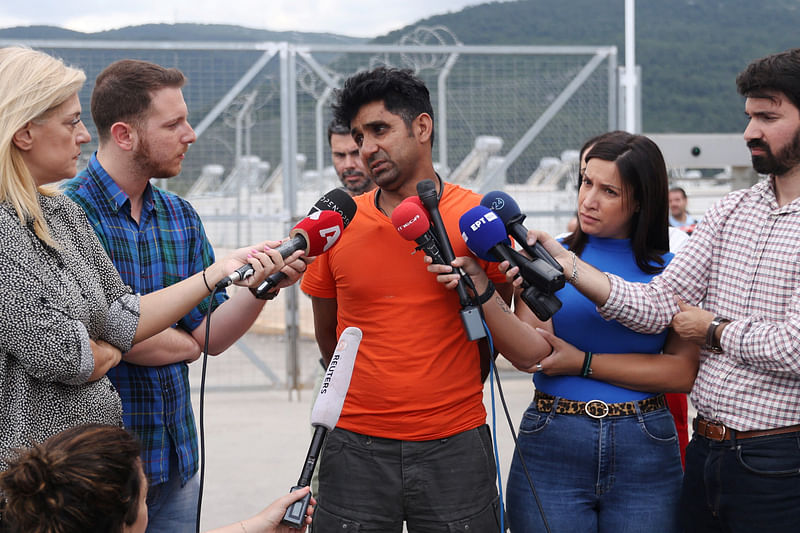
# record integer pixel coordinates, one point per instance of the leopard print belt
(597, 408)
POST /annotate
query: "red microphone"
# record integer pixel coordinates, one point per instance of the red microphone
(411, 221)
(315, 234)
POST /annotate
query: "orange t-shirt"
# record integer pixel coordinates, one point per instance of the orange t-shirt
(416, 375)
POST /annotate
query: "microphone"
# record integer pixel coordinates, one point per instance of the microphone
(470, 314)
(314, 234)
(485, 234)
(336, 200)
(508, 211)
(325, 414)
(412, 224)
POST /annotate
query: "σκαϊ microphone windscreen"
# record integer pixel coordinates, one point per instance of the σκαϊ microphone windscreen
(332, 393)
(504, 205)
(410, 219)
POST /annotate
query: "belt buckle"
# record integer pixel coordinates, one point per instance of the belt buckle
(715, 431)
(600, 411)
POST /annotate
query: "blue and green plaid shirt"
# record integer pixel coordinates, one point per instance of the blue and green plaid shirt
(168, 245)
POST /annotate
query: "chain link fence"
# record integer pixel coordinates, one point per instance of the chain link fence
(506, 117)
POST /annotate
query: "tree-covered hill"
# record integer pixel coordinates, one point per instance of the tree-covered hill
(690, 50)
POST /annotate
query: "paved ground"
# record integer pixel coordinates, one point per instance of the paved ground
(257, 434)
(257, 440)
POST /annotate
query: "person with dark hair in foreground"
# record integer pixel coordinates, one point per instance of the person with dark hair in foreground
(90, 479)
(412, 444)
(742, 464)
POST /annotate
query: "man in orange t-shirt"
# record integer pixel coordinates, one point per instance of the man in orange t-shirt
(411, 443)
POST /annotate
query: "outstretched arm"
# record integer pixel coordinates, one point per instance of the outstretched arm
(269, 519)
(673, 370)
(160, 309)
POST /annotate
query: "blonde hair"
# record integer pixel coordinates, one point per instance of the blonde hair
(31, 85)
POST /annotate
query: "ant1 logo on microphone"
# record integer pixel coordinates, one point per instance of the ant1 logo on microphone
(498, 204)
(485, 219)
(331, 235)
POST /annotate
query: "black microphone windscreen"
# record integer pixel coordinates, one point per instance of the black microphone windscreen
(337, 200)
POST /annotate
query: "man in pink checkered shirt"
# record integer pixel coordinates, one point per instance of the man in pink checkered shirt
(734, 289)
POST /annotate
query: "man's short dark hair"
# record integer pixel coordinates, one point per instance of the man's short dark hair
(777, 72)
(337, 128)
(401, 92)
(123, 91)
(678, 189)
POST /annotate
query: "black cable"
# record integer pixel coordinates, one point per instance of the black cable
(201, 414)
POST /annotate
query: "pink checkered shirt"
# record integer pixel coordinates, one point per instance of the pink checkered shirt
(741, 263)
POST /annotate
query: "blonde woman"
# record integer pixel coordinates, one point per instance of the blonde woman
(65, 315)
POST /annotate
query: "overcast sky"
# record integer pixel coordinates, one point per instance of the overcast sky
(364, 18)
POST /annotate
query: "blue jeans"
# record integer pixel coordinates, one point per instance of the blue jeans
(738, 486)
(611, 475)
(170, 507)
(370, 484)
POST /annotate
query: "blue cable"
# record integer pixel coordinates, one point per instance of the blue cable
(494, 428)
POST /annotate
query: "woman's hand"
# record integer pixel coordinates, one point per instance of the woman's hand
(294, 270)
(269, 519)
(564, 360)
(106, 357)
(265, 260)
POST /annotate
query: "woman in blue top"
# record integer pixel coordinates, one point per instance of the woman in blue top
(598, 440)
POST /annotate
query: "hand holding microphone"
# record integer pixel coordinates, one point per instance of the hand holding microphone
(313, 235)
(337, 201)
(485, 234)
(509, 212)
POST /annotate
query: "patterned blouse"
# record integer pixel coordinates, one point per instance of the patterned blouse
(52, 301)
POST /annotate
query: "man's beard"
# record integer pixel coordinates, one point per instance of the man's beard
(144, 160)
(776, 164)
(357, 188)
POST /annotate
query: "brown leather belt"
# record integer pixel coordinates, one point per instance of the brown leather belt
(597, 408)
(719, 432)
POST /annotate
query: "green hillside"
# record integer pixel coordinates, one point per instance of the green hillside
(690, 50)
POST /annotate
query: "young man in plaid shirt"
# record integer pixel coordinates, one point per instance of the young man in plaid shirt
(741, 264)
(155, 239)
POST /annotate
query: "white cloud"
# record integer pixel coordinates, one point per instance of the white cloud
(349, 17)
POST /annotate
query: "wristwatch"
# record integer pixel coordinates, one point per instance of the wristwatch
(712, 344)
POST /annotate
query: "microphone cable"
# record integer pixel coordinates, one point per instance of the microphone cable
(201, 414)
(494, 375)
